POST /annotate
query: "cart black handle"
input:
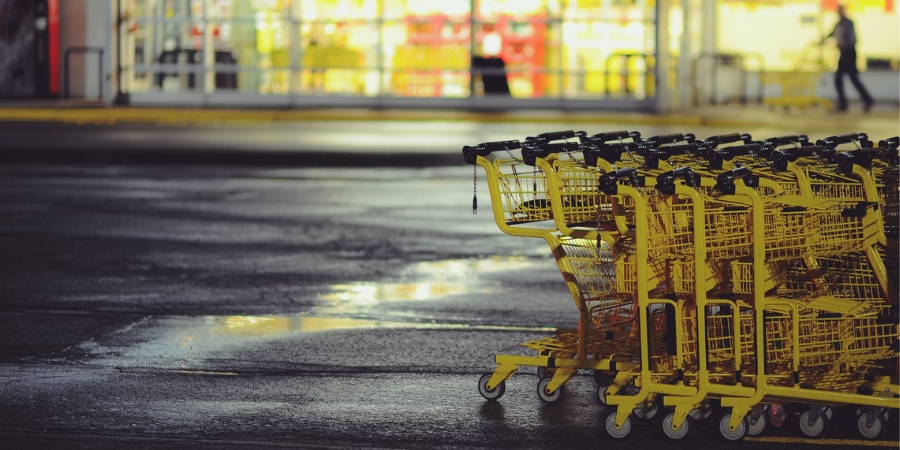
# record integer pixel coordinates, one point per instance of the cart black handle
(665, 183)
(602, 138)
(609, 183)
(678, 149)
(890, 143)
(890, 156)
(656, 141)
(781, 158)
(716, 157)
(725, 180)
(652, 156)
(610, 153)
(862, 158)
(776, 141)
(471, 153)
(834, 141)
(544, 138)
(729, 138)
(531, 153)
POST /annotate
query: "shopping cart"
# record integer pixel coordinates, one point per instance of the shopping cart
(803, 314)
(798, 86)
(522, 207)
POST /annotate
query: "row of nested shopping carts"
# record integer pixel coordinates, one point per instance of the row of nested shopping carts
(754, 276)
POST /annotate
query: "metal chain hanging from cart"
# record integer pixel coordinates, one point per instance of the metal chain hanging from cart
(474, 189)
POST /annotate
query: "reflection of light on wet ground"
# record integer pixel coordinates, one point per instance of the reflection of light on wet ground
(272, 325)
(267, 326)
(183, 342)
(433, 280)
(370, 293)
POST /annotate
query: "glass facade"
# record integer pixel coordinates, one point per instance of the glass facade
(550, 49)
(804, 22)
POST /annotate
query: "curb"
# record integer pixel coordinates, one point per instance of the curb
(269, 158)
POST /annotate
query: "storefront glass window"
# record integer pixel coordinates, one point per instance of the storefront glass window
(425, 48)
(401, 48)
(806, 21)
(608, 48)
(338, 58)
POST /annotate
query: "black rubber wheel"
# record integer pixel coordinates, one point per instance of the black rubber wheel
(493, 394)
(814, 429)
(758, 427)
(542, 391)
(870, 431)
(609, 423)
(647, 411)
(728, 434)
(545, 372)
(672, 433)
(601, 392)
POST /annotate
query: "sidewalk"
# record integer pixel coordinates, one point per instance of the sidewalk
(883, 119)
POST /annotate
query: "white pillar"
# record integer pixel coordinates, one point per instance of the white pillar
(98, 27)
(87, 23)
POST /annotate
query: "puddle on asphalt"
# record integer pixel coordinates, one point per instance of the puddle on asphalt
(261, 326)
(186, 339)
(271, 326)
(431, 280)
(184, 343)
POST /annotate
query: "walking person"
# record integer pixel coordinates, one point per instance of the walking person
(845, 36)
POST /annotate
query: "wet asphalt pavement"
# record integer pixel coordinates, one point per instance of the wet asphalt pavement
(207, 307)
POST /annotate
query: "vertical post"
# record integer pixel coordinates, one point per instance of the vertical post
(472, 10)
(661, 67)
(293, 37)
(714, 82)
(742, 81)
(559, 68)
(380, 51)
(66, 74)
(683, 77)
(209, 52)
(297, 61)
(119, 97)
(100, 72)
(606, 74)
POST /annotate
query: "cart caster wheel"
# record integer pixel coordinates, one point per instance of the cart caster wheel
(884, 413)
(814, 429)
(731, 435)
(542, 391)
(492, 394)
(756, 428)
(646, 412)
(610, 423)
(545, 372)
(673, 433)
(703, 412)
(870, 431)
(601, 392)
(776, 415)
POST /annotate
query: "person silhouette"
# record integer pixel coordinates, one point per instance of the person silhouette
(845, 35)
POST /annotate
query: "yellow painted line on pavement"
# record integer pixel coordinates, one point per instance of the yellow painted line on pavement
(190, 116)
(231, 117)
(852, 442)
